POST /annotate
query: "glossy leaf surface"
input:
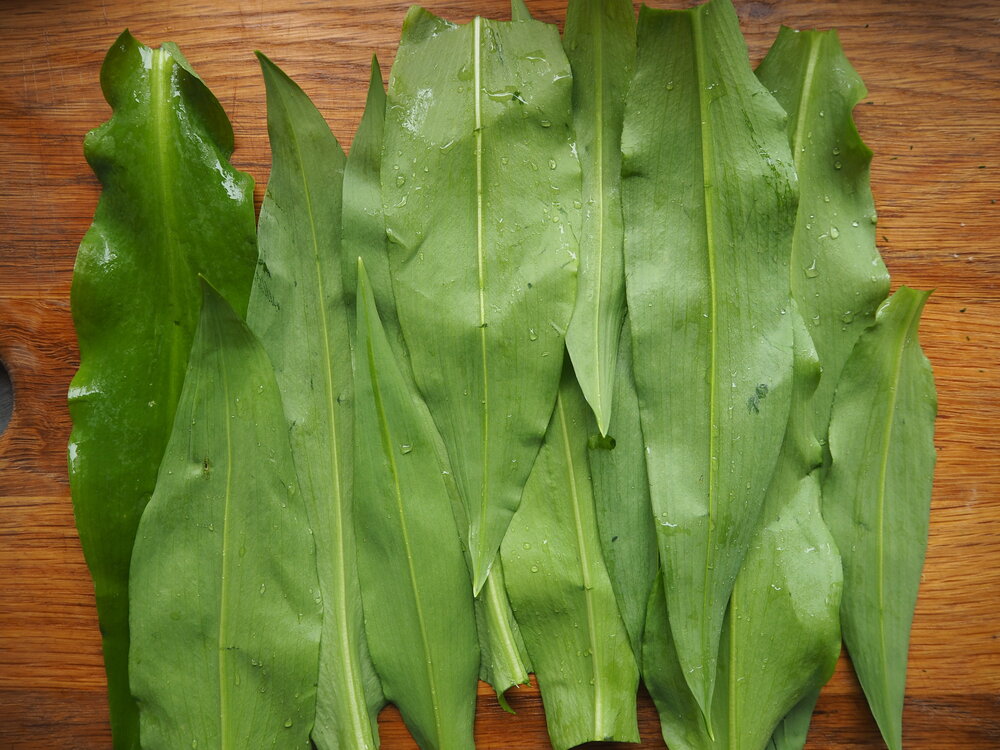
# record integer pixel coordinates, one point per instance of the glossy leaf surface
(621, 502)
(838, 277)
(600, 44)
(297, 309)
(172, 207)
(226, 609)
(561, 592)
(504, 661)
(418, 605)
(877, 498)
(709, 204)
(479, 182)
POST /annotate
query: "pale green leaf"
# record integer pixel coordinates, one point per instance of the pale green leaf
(504, 661)
(600, 44)
(172, 207)
(877, 498)
(561, 592)
(297, 309)
(621, 499)
(838, 277)
(791, 733)
(709, 203)
(479, 182)
(418, 604)
(519, 11)
(226, 607)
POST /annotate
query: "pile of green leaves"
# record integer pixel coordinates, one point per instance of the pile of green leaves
(580, 364)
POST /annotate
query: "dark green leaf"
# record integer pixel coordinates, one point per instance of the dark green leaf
(172, 207)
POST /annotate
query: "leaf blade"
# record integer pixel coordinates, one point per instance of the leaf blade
(877, 498)
(135, 286)
(297, 309)
(714, 330)
(247, 640)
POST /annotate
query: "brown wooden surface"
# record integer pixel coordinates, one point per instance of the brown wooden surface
(932, 118)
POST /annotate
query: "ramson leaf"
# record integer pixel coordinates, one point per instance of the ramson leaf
(226, 609)
(172, 207)
(709, 203)
(561, 592)
(600, 44)
(479, 182)
(504, 661)
(418, 605)
(297, 309)
(877, 498)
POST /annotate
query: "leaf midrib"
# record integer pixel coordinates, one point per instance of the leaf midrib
(584, 559)
(708, 159)
(597, 29)
(481, 536)
(358, 712)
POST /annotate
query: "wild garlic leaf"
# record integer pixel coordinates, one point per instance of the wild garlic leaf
(600, 44)
(519, 11)
(621, 500)
(838, 277)
(297, 310)
(172, 207)
(504, 660)
(781, 637)
(791, 733)
(226, 608)
(418, 605)
(877, 498)
(709, 203)
(561, 592)
(479, 182)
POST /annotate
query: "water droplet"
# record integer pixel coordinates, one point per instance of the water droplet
(826, 198)
(400, 180)
(837, 165)
(263, 588)
(552, 163)
(836, 150)
(822, 113)
(405, 448)
(854, 224)
(526, 545)
(288, 723)
(811, 272)
(670, 85)
(504, 160)
(532, 335)
(545, 123)
(534, 568)
(873, 218)
(848, 316)
(834, 232)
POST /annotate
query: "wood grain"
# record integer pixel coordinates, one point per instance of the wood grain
(932, 117)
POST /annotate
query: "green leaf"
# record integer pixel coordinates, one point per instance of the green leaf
(519, 11)
(709, 203)
(600, 44)
(621, 499)
(783, 619)
(363, 228)
(838, 277)
(504, 661)
(791, 733)
(561, 592)
(877, 498)
(172, 207)
(479, 182)
(297, 309)
(781, 637)
(418, 606)
(226, 608)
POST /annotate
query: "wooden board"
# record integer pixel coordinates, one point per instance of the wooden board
(932, 118)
